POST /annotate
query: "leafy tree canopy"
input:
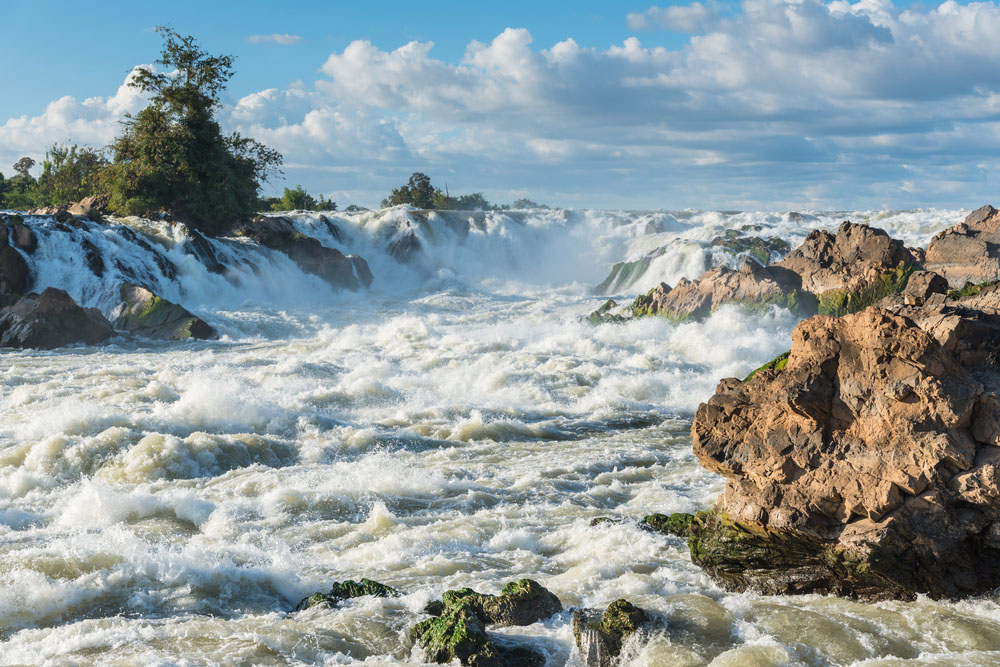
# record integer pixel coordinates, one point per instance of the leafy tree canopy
(298, 200)
(172, 156)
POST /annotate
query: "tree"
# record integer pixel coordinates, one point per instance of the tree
(299, 200)
(23, 166)
(417, 192)
(70, 173)
(172, 156)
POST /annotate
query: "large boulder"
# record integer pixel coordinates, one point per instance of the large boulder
(969, 251)
(14, 271)
(752, 285)
(868, 465)
(151, 316)
(49, 320)
(600, 636)
(312, 256)
(89, 207)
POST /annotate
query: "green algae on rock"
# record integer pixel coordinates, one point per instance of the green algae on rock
(152, 316)
(600, 638)
(840, 302)
(603, 315)
(677, 524)
(746, 555)
(776, 364)
(345, 590)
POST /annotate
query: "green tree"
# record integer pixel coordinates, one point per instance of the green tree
(70, 173)
(172, 156)
(417, 192)
(20, 192)
(299, 200)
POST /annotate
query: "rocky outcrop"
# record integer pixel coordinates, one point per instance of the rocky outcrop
(347, 590)
(312, 257)
(753, 286)
(600, 636)
(49, 320)
(869, 465)
(458, 630)
(89, 207)
(761, 249)
(146, 314)
(969, 252)
(14, 271)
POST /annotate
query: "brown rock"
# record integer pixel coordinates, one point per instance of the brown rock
(49, 320)
(14, 273)
(852, 259)
(312, 257)
(969, 251)
(921, 285)
(88, 207)
(152, 316)
(867, 467)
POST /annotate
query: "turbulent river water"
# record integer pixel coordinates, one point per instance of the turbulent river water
(456, 425)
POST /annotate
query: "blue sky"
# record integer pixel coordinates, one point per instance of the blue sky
(754, 105)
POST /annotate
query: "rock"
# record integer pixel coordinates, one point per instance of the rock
(200, 248)
(49, 320)
(312, 257)
(405, 247)
(850, 261)
(735, 242)
(921, 285)
(361, 270)
(92, 255)
(346, 590)
(600, 638)
(520, 603)
(969, 251)
(89, 207)
(14, 274)
(777, 364)
(624, 274)
(23, 238)
(457, 633)
(752, 286)
(167, 267)
(333, 229)
(869, 466)
(677, 524)
(603, 315)
(459, 629)
(151, 316)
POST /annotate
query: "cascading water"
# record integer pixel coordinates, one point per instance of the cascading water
(456, 425)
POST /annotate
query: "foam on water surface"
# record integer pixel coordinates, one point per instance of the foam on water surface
(455, 426)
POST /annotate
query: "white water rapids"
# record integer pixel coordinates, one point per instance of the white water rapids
(456, 425)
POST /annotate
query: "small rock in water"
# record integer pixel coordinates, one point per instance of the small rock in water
(600, 637)
(677, 524)
(346, 590)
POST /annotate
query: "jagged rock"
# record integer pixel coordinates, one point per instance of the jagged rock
(852, 260)
(921, 285)
(312, 257)
(166, 266)
(603, 315)
(92, 255)
(346, 590)
(89, 207)
(49, 320)
(969, 251)
(677, 524)
(752, 286)
(200, 248)
(600, 637)
(405, 246)
(459, 628)
(151, 316)
(869, 466)
(361, 270)
(333, 228)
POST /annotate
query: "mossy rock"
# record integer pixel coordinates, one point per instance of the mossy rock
(748, 556)
(736, 242)
(457, 633)
(603, 315)
(520, 603)
(677, 524)
(152, 316)
(843, 302)
(969, 289)
(600, 638)
(777, 364)
(346, 590)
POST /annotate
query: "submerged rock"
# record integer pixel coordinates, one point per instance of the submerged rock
(761, 249)
(14, 272)
(869, 466)
(459, 629)
(969, 252)
(603, 315)
(49, 320)
(677, 524)
(149, 315)
(201, 249)
(600, 637)
(346, 590)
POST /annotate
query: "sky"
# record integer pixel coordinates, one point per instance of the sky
(753, 105)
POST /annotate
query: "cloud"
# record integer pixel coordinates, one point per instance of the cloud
(677, 18)
(283, 39)
(829, 104)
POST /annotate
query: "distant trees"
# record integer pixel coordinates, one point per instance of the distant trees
(420, 193)
(298, 200)
(417, 192)
(172, 155)
(69, 174)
